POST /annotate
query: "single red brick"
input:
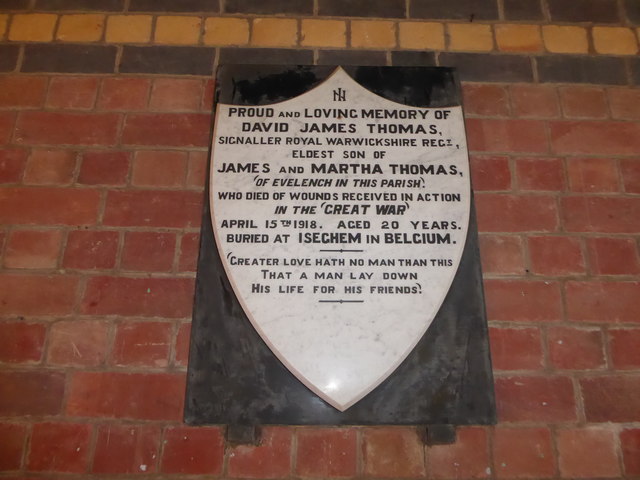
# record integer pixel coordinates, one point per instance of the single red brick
(72, 93)
(392, 452)
(50, 167)
(22, 91)
(42, 128)
(516, 213)
(12, 163)
(534, 101)
(152, 396)
(193, 451)
(601, 214)
(556, 255)
(189, 249)
(148, 251)
(630, 440)
(13, 440)
(78, 342)
(127, 449)
(91, 250)
(159, 169)
(171, 129)
(7, 121)
(490, 172)
(583, 102)
(592, 175)
(21, 342)
(270, 459)
(523, 300)
(142, 344)
(540, 173)
(604, 302)
(33, 249)
(588, 452)
(516, 348)
(490, 135)
(575, 348)
(182, 344)
(487, 100)
(59, 447)
(625, 103)
(467, 458)
(502, 254)
(623, 345)
(613, 256)
(326, 452)
(104, 168)
(197, 170)
(31, 393)
(523, 453)
(55, 295)
(535, 399)
(147, 297)
(595, 138)
(152, 209)
(611, 398)
(48, 206)
(630, 169)
(207, 96)
(127, 94)
(176, 95)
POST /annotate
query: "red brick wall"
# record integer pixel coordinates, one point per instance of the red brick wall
(102, 178)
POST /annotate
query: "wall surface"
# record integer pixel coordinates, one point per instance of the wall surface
(105, 112)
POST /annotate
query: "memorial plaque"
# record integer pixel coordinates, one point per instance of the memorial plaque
(341, 208)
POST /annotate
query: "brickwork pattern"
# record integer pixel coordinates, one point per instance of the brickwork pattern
(104, 128)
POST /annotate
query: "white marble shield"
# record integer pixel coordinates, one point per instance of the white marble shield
(340, 218)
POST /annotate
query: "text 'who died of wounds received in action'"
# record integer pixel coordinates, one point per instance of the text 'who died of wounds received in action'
(340, 219)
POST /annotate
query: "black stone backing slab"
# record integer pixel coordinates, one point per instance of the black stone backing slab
(233, 376)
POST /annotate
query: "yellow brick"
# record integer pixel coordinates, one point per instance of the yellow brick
(470, 37)
(129, 28)
(80, 28)
(177, 30)
(274, 32)
(421, 35)
(518, 38)
(33, 27)
(560, 39)
(324, 33)
(615, 40)
(226, 31)
(4, 19)
(373, 34)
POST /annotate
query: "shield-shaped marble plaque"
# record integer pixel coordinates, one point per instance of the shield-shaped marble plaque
(341, 208)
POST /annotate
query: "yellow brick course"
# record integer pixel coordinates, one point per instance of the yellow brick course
(614, 40)
(274, 32)
(129, 28)
(32, 27)
(518, 38)
(323, 33)
(422, 35)
(177, 30)
(80, 28)
(565, 39)
(4, 20)
(226, 31)
(470, 37)
(373, 34)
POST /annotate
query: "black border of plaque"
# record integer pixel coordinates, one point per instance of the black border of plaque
(234, 378)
